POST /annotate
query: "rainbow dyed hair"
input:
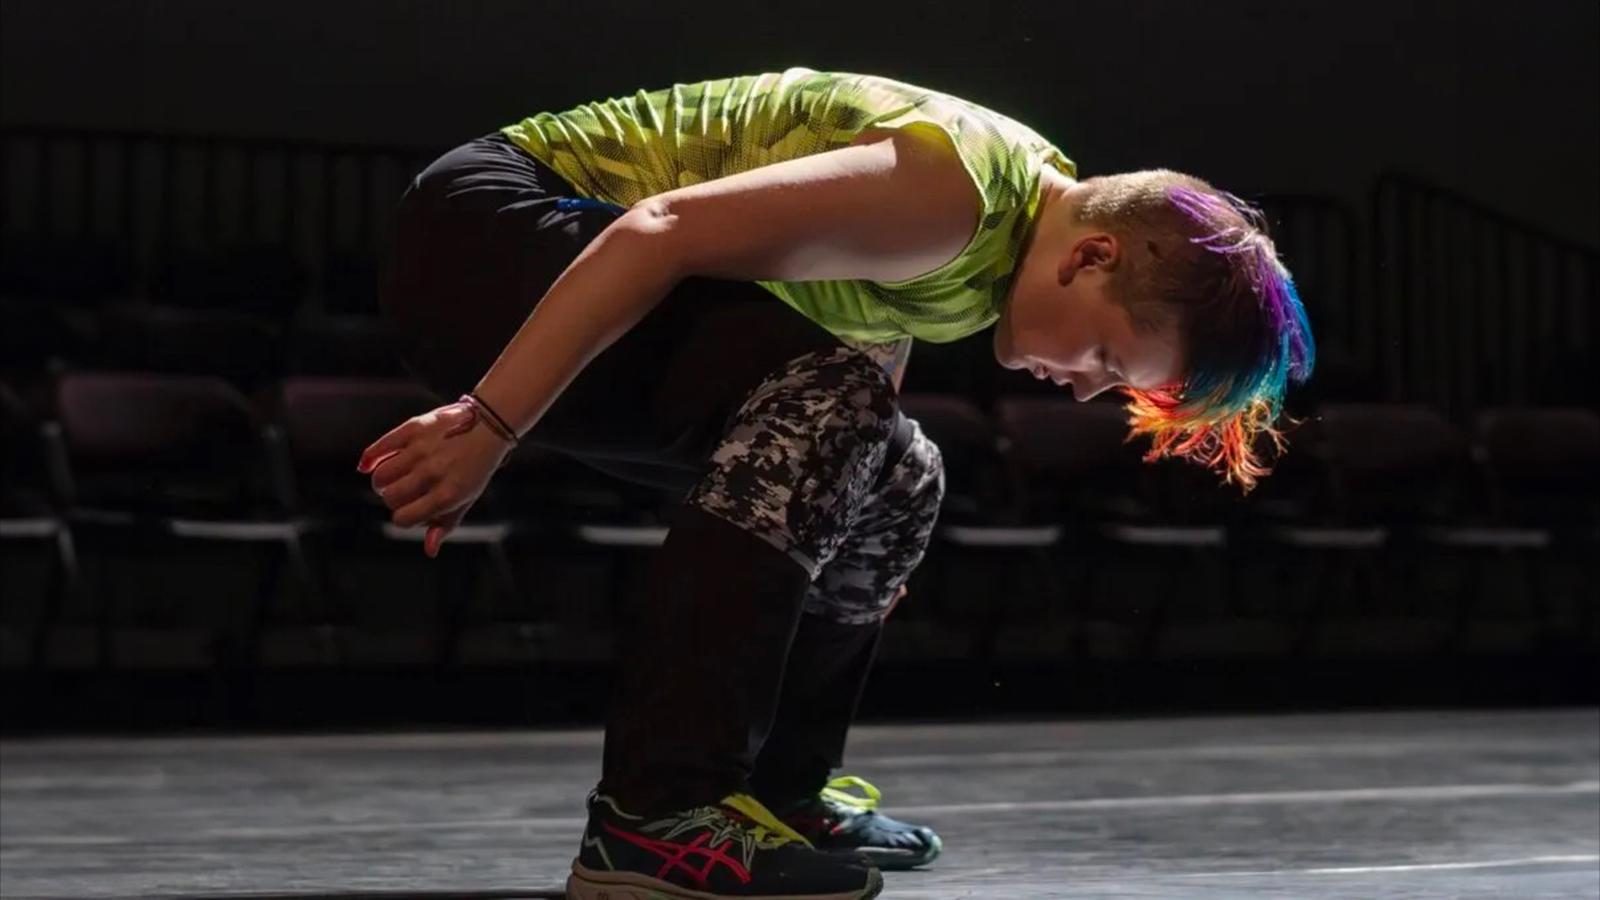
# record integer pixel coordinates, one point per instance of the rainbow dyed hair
(1245, 341)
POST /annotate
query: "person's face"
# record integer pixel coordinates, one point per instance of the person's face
(1061, 324)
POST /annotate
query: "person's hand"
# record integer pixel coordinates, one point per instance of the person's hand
(433, 467)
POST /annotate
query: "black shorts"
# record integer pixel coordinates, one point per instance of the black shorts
(483, 232)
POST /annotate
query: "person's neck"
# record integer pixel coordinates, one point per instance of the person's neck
(1048, 218)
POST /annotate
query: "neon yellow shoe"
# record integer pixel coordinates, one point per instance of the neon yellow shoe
(838, 821)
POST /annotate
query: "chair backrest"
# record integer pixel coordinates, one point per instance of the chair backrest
(1541, 463)
(328, 421)
(1059, 433)
(1393, 461)
(1533, 441)
(1297, 487)
(162, 442)
(1072, 456)
(1393, 439)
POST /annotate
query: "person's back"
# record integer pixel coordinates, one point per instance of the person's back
(625, 150)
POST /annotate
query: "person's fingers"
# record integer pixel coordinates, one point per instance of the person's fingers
(439, 529)
(397, 438)
(405, 489)
(441, 497)
(367, 463)
(396, 466)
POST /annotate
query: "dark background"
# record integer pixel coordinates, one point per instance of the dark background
(1497, 101)
(1431, 166)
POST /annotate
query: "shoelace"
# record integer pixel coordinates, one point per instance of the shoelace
(836, 790)
(768, 828)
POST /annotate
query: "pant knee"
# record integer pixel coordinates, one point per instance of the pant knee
(887, 540)
(802, 452)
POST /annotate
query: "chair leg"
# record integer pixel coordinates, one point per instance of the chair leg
(332, 634)
(64, 585)
(103, 605)
(308, 585)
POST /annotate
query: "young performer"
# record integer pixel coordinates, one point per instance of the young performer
(713, 288)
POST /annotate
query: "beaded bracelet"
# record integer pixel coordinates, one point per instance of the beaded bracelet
(491, 418)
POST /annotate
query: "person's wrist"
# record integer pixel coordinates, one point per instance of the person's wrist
(493, 444)
(482, 425)
(486, 416)
(503, 449)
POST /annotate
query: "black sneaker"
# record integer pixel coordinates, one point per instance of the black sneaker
(838, 821)
(734, 849)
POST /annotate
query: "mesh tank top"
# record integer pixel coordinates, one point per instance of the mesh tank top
(625, 149)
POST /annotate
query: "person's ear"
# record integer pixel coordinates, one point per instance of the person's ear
(1100, 250)
(1067, 267)
(1081, 254)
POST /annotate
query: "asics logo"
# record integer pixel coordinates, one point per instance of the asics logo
(692, 859)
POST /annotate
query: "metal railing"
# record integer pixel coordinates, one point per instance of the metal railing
(153, 194)
(1477, 308)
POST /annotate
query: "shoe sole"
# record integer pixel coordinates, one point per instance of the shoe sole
(588, 884)
(896, 861)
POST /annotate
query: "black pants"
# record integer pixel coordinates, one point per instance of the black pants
(701, 398)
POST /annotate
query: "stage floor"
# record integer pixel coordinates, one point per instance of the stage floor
(1476, 804)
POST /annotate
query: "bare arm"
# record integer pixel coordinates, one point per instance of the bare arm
(618, 278)
(887, 210)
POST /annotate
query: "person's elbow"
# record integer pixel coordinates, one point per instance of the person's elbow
(646, 228)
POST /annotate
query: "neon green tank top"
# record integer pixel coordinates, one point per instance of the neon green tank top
(623, 150)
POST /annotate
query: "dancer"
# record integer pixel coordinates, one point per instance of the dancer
(712, 288)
